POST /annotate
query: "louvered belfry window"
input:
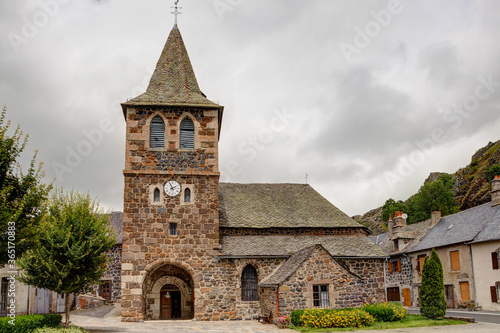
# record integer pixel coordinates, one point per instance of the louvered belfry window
(249, 289)
(157, 133)
(187, 134)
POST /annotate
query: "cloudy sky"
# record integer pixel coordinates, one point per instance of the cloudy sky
(366, 97)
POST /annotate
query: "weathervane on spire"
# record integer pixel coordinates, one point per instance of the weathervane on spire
(176, 12)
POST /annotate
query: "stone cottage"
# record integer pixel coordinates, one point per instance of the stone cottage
(197, 248)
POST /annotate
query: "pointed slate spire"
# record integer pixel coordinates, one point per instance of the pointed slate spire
(173, 81)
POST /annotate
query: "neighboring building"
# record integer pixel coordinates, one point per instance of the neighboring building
(197, 248)
(398, 267)
(450, 237)
(486, 255)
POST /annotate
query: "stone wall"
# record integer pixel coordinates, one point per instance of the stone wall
(114, 271)
(366, 285)
(402, 279)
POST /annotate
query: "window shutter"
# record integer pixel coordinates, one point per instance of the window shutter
(494, 259)
(493, 291)
(390, 267)
(398, 264)
(157, 133)
(421, 262)
(455, 261)
(187, 134)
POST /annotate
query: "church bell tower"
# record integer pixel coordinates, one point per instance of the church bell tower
(170, 220)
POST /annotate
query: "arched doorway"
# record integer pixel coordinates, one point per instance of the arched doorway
(168, 294)
(170, 302)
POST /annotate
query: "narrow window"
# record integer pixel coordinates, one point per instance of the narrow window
(455, 261)
(157, 133)
(173, 229)
(187, 195)
(3, 295)
(156, 195)
(249, 284)
(494, 260)
(464, 291)
(320, 296)
(187, 134)
(396, 245)
(494, 295)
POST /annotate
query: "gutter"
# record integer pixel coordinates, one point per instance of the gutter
(254, 257)
(385, 286)
(356, 257)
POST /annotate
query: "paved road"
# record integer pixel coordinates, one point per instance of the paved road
(480, 316)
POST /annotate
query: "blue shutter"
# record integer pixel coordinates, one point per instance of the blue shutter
(187, 134)
(157, 133)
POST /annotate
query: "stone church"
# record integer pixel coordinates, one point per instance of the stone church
(197, 248)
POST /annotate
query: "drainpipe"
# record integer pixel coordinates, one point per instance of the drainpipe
(473, 277)
(385, 288)
(29, 299)
(277, 303)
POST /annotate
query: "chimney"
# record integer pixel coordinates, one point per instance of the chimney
(495, 191)
(435, 217)
(390, 226)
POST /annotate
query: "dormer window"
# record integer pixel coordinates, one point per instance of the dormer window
(157, 133)
(186, 134)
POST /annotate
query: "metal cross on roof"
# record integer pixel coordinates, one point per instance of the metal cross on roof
(306, 177)
(176, 12)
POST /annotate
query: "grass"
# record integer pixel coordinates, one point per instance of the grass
(407, 322)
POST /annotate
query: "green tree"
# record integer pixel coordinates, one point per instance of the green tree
(435, 196)
(392, 206)
(432, 299)
(22, 195)
(492, 171)
(70, 254)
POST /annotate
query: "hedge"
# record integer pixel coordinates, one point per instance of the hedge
(388, 311)
(28, 323)
(328, 318)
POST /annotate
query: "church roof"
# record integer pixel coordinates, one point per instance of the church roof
(173, 81)
(278, 206)
(286, 245)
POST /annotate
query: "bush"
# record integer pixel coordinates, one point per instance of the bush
(392, 311)
(328, 318)
(296, 316)
(29, 323)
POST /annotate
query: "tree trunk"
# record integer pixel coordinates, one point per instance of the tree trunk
(67, 311)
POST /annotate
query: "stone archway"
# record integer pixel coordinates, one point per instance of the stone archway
(168, 274)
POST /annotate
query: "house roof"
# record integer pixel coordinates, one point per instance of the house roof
(173, 81)
(278, 206)
(457, 228)
(414, 232)
(289, 267)
(281, 245)
(491, 230)
(116, 222)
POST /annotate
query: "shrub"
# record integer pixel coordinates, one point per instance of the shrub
(388, 311)
(28, 323)
(432, 299)
(296, 317)
(328, 318)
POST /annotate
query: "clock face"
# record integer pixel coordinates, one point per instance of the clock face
(172, 188)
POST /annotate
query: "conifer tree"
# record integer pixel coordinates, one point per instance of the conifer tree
(432, 298)
(22, 195)
(70, 254)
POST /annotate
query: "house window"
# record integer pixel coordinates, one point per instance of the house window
(420, 264)
(395, 266)
(156, 195)
(173, 229)
(494, 293)
(464, 291)
(157, 133)
(321, 298)
(3, 296)
(249, 284)
(455, 261)
(187, 134)
(187, 195)
(494, 260)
